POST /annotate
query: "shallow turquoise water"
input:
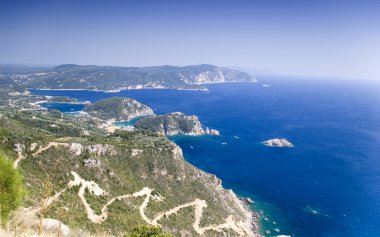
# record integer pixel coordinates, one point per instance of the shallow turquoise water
(127, 123)
(327, 185)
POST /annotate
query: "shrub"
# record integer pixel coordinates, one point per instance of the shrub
(11, 188)
(147, 231)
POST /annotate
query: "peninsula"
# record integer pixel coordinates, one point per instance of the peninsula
(174, 124)
(118, 109)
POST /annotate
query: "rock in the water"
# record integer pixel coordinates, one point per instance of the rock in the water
(247, 201)
(250, 201)
(276, 142)
(212, 132)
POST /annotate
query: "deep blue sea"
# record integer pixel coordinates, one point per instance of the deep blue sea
(327, 185)
(63, 107)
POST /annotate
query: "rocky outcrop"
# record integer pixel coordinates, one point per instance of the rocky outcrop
(276, 142)
(177, 151)
(219, 75)
(212, 132)
(173, 124)
(96, 149)
(18, 147)
(33, 146)
(118, 108)
(207, 74)
(91, 163)
(55, 226)
(136, 152)
(247, 201)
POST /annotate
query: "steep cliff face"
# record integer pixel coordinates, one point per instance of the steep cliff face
(218, 75)
(118, 108)
(173, 124)
(113, 184)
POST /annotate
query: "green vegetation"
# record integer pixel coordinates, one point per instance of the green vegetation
(118, 108)
(51, 147)
(147, 231)
(72, 76)
(169, 124)
(126, 162)
(11, 188)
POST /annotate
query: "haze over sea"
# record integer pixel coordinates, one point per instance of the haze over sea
(327, 185)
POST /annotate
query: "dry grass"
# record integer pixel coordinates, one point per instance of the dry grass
(24, 223)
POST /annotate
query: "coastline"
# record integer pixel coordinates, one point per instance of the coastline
(140, 87)
(226, 82)
(120, 90)
(251, 222)
(58, 102)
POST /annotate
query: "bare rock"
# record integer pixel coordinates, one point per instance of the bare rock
(91, 163)
(55, 226)
(276, 142)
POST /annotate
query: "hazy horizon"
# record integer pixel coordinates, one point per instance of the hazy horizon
(333, 39)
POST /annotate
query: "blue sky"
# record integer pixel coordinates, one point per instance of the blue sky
(325, 38)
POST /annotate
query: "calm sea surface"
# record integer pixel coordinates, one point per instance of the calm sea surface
(327, 185)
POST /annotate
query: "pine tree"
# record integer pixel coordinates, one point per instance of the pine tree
(11, 189)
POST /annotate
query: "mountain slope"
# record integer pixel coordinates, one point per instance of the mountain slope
(118, 108)
(71, 76)
(173, 124)
(114, 183)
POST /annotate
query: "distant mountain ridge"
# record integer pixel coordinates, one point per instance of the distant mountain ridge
(112, 78)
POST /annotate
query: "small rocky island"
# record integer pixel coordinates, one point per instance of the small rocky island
(118, 109)
(173, 124)
(276, 142)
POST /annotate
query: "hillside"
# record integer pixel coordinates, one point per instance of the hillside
(71, 76)
(118, 108)
(173, 124)
(111, 184)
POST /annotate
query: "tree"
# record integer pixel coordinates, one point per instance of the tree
(147, 231)
(11, 188)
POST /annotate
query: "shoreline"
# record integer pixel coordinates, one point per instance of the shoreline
(253, 217)
(58, 102)
(120, 90)
(127, 88)
(250, 223)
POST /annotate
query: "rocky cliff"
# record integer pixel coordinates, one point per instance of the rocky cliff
(211, 74)
(173, 124)
(110, 184)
